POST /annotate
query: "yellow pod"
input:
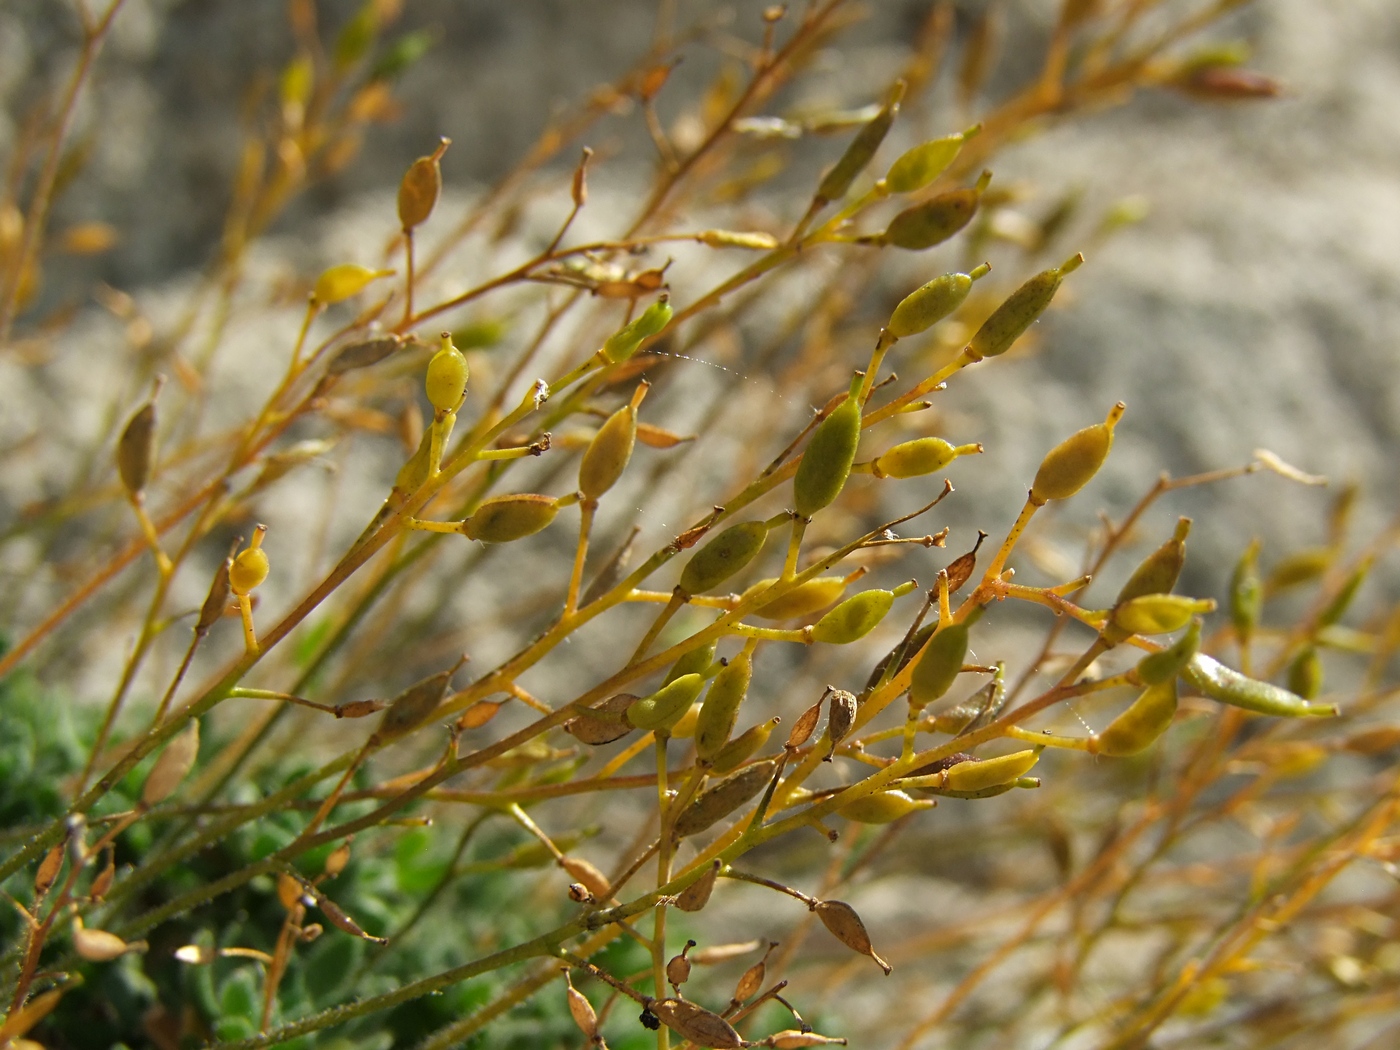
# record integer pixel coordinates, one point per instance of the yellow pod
(924, 307)
(664, 708)
(742, 747)
(420, 188)
(827, 461)
(1228, 686)
(721, 706)
(1068, 466)
(757, 242)
(884, 807)
(608, 453)
(917, 167)
(806, 598)
(446, 383)
(506, 518)
(248, 571)
(1158, 613)
(684, 729)
(857, 616)
(912, 459)
(723, 556)
(339, 283)
(1135, 730)
(939, 665)
(1019, 311)
(975, 774)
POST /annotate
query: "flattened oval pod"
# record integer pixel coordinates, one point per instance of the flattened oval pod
(938, 668)
(811, 596)
(759, 242)
(414, 705)
(1138, 727)
(1156, 668)
(721, 707)
(625, 342)
(581, 1010)
(420, 188)
(845, 925)
(1159, 570)
(935, 220)
(830, 454)
(693, 1022)
(913, 459)
(884, 807)
(697, 894)
(960, 569)
(805, 725)
(925, 306)
(248, 571)
(854, 618)
(1158, 613)
(723, 556)
(1020, 310)
(339, 283)
(743, 746)
(362, 355)
(723, 799)
(976, 774)
(663, 708)
(173, 765)
(609, 452)
(861, 151)
(1228, 686)
(446, 382)
(1070, 465)
(136, 449)
(1305, 674)
(99, 945)
(502, 519)
(605, 723)
(697, 661)
(1246, 594)
(678, 968)
(216, 601)
(919, 166)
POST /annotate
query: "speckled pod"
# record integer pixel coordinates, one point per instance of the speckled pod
(694, 1023)
(938, 667)
(1019, 311)
(506, 518)
(934, 220)
(913, 459)
(605, 723)
(827, 462)
(845, 925)
(411, 707)
(721, 707)
(663, 708)
(925, 306)
(1137, 728)
(1070, 465)
(608, 453)
(723, 556)
(722, 799)
(1228, 686)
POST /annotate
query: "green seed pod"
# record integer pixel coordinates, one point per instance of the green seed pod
(248, 571)
(1228, 686)
(883, 808)
(1159, 570)
(1338, 606)
(723, 556)
(1246, 594)
(1068, 466)
(136, 449)
(854, 618)
(1019, 312)
(1156, 668)
(625, 342)
(339, 283)
(608, 453)
(803, 600)
(742, 747)
(664, 708)
(446, 383)
(420, 188)
(924, 307)
(912, 459)
(975, 775)
(936, 219)
(830, 454)
(697, 661)
(502, 519)
(1135, 730)
(722, 799)
(925, 162)
(1301, 567)
(721, 707)
(1158, 613)
(938, 668)
(1305, 674)
(861, 151)
(603, 724)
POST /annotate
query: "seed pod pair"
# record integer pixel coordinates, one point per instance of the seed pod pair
(742, 747)
(917, 167)
(830, 454)
(663, 708)
(1147, 718)
(934, 220)
(843, 922)
(1068, 466)
(883, 807)
(808, 597)
(341, 282)
(861, 151)
(1158, 613)
(1019, 311)
(1228, 686)
(421, 187)
(724, 798)
(857, 616)
(625, 342)
(912, 459)
(610, 450)
(939, 665)
(723, 556)
(721, 707)
(502, 519)
(446, 382)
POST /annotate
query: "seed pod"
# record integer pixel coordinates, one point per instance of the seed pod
(678, 969)
(625, 342)
(974, 775)
(884, 807)
(608, 453)
(136, 449)
(48, 870)
(1068, 466)
(811, 596)
(854, 618)
(861, 151)
(341, 921)
(446, 383)
(826, 464)
(506, 518)
(792, 1038)
(758, 242)
(1246, 594)
(906, 650)
(581, 1010)
(480, 713)
(723, 556)
(659, 437)
(1159, 570)
(362, 355)
(588, 874)
(99, 945)
(924, 307)
(1338, 606)
(743, 746)
(1228, 686)
(603, 724)
(912, 459)
(1137, 728)
(289, 892)
(173, 765)
(960, 569)
(697, 894)
(935, 220)
(339, 283)
(663, 708)
(805, 725)
(1305, 674)
(841, 719)
(337, 860)
(1301, 567)
(697, 661)
(359, 708)
(841, 919)
(722, 799)
(1019, 311)
(917, 167)
(249, 570)
(752, 979)
(420, 188)
(938, 668)
(413, 706)
(418, 466)
(692, 1021)
(215, 602)
(1157, 668)
(721, 707)
(1158, 613)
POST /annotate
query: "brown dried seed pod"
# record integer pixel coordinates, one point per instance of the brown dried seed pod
(99, 945)
(581, 1010)
(411, 707)
(359, 708)
(805, 725)
(841, 919)
(289, 891)
(216, 601)
(678, 968)
(697, 894)
(692, 1021)
(752, 979)
(362, 355)
(792, 1038)
(585, 872)
(506, 518)
(722, 799)
(342, 921)
(841, 719)
(337, 860)
(173, 765)
(479, 714)
(660, 437)
(51, 865)
(419, 190)
(103, 880)
(136, 449)
(960, 569)
(605, 723)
